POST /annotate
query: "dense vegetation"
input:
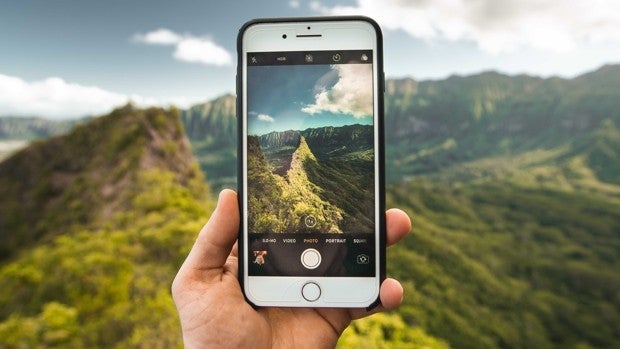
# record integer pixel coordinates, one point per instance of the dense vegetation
(106, 287)
(502, 264)
(281, 204)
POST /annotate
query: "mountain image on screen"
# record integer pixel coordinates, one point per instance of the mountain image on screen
(319, 180)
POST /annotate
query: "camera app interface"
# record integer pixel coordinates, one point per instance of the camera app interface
(310, 163)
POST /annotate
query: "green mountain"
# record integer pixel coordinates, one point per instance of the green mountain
(212, 130)
(95, 225)
(325, 172)
(281, 203)
(436, 124)
(87, 177)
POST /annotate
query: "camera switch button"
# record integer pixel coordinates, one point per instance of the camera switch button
(311, 291)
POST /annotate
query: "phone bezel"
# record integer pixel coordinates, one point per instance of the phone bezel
(301, 35)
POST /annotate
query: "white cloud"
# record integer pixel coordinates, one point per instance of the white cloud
(351, 94)
(198, 50)
(294, 3)
(57, 99)
(265, 117)
(161, 36)
(497, 25)
(188, 48)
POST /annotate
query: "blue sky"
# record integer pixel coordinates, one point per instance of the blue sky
(64, 59)
(298, 97)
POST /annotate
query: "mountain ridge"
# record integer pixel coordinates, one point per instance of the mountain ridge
(282, 198)
(327, 141)
(490, 113)
(91, 171)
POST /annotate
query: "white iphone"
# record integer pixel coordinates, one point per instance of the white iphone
(311, 168)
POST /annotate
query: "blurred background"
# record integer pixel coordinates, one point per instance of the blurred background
(117, 130)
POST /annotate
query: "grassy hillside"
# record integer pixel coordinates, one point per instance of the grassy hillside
(498, 264)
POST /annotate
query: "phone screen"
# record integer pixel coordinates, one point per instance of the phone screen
(310, 157)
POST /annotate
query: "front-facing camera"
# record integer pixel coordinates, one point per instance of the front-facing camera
(283, 36)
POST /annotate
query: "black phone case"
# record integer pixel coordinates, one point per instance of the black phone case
(380, 121)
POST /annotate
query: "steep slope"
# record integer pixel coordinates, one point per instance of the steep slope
(305, 196)
(212, 130)
(87, 177)
(328, 142)
(264, 192)
(340, 168)
(282, 139)
(281, 202)
(278, 148)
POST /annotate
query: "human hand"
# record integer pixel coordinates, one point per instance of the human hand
(214, 313)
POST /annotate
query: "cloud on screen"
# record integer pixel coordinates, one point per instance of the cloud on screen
(351, 94)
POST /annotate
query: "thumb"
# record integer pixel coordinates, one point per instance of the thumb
(218, 236)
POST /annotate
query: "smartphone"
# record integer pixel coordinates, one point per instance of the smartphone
(311, 162)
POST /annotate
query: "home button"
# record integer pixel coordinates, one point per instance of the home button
(311, 291)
